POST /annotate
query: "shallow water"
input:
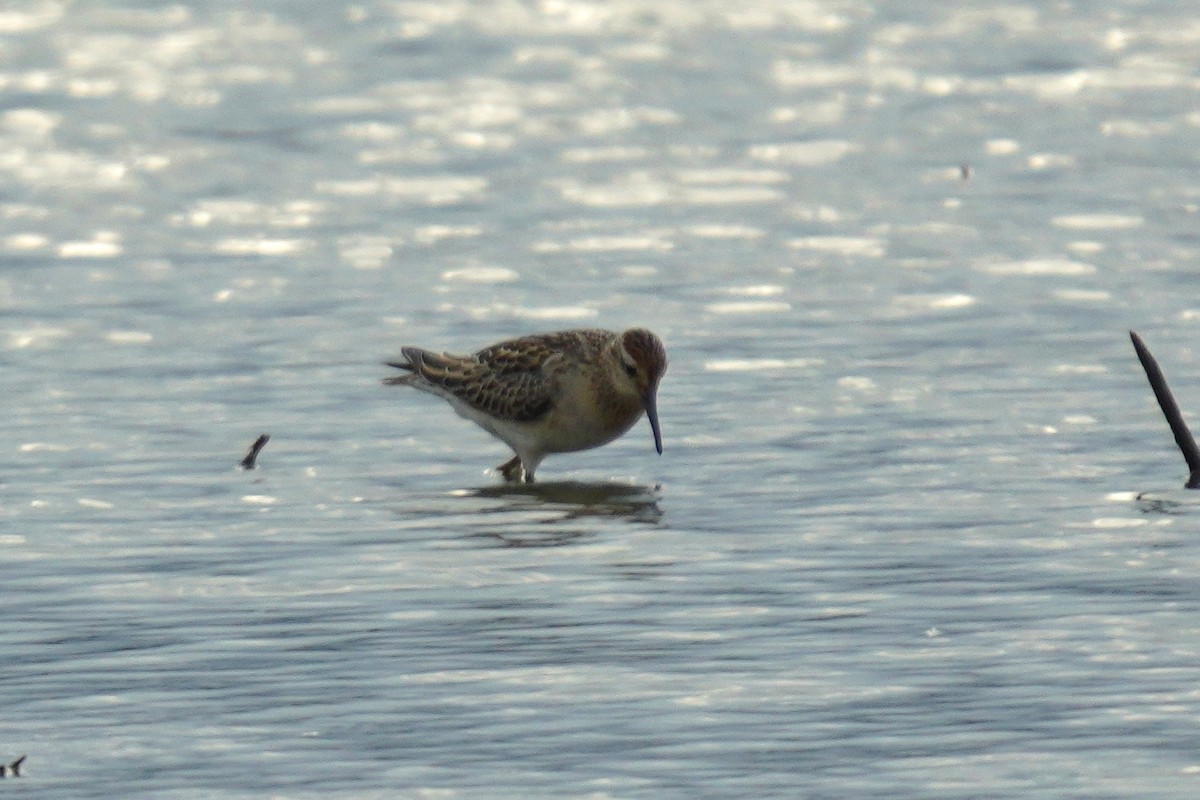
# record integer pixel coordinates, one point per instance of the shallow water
(894, 547)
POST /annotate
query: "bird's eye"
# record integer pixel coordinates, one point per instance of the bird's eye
(631, 370)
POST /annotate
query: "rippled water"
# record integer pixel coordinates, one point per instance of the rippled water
(893, 547)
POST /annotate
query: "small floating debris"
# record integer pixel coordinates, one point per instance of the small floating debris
(1170, 409)
(964, 170)
(13, 768)
(250, 461)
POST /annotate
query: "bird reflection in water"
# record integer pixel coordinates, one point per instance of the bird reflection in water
(544, 507)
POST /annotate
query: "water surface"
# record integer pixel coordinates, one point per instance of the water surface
(893, 547)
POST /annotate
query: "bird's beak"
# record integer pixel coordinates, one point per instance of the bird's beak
(650, 400)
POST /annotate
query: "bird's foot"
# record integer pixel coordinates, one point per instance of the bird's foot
(512, 470)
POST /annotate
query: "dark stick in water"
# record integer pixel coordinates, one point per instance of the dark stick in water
(1170, 409)
(249, 461)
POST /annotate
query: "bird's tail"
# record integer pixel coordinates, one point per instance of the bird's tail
(422, 365)
(408, 364)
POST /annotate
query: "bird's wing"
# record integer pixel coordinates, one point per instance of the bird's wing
(513, 380)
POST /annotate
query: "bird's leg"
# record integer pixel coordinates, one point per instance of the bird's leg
(512, 470)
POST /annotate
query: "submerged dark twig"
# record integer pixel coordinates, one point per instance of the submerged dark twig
(249, 462)
(1170, 409)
